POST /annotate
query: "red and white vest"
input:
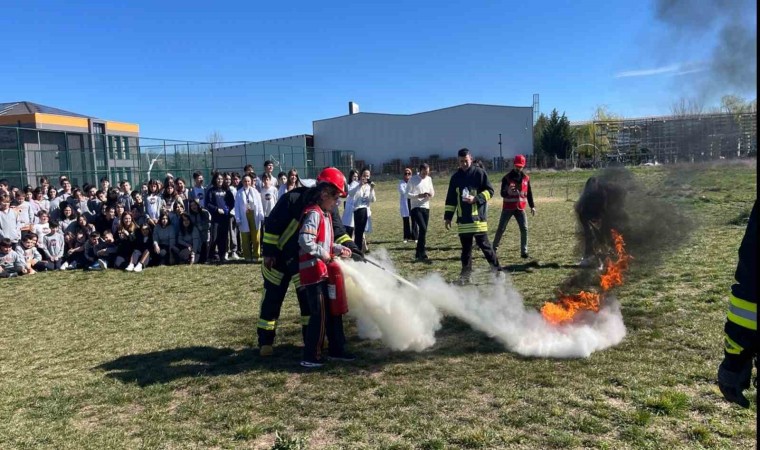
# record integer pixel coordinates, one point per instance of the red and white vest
(311, 268)
(517, 196)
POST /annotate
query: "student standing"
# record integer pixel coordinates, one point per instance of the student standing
(410, 229)
(419, 192)
(517, 194)
(363, 194)
(249, 215)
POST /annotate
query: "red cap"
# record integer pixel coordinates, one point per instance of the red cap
(519, 161)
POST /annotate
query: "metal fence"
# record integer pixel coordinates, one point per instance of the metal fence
(27, 154)
(308, 161)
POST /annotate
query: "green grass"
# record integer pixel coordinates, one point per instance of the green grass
(165, 359)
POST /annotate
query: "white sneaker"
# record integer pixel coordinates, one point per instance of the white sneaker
(130, 267)
(233, 256)
(64, 266)
(102, 264)
(138, 267)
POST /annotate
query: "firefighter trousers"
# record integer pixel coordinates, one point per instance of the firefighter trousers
(276, 281)
(481, 239)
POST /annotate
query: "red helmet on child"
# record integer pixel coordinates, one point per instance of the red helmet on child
(335, 177)
(519, 161)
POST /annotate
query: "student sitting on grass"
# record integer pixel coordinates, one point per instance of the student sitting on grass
(164, 241)
(188, 241)
(53, 244)
(29, 254)
(11, 263)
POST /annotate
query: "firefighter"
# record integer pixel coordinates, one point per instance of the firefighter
(740, 330)
(280, 252)
(516, 191)
(468, 195)
(316, 250)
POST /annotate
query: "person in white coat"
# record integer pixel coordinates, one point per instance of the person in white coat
(249, 214)
(348, 204)
(410, 227)
(363, 194)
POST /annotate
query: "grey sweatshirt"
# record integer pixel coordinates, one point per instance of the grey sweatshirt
(10, 226)
(53, 245)
(164, 236)
(11, 262)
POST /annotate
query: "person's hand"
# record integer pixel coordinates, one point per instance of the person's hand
(732, 381)
(533, 211)
(269, 261)
(447, 224)
(470, 199)
(220, 211)
(345, 253)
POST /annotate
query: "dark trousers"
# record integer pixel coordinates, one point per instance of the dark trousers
(360, 224)
(219, 232)
(481, 239)
(321, 324)
(522, 223)
(420, 217)
(276, 281)
(410, 227)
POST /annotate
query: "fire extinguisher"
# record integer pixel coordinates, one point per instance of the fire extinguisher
(336, 289)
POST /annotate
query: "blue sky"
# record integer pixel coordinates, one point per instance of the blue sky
(260, 70)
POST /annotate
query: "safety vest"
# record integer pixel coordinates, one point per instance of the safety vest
(517, 199)
(312, 269)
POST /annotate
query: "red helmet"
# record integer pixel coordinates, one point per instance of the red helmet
(519, 161)
(335, 177)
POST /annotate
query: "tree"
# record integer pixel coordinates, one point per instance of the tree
(557, 138)
(687, 107)
(734, 104)
(215, 139)
(538, 131)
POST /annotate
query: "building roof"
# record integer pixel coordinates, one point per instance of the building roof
(424, 112)
(21, 108)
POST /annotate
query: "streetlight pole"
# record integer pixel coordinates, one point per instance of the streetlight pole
(501, 157)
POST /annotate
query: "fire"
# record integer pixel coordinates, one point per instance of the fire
(568, 305)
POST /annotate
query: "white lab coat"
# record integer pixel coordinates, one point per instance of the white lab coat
(403, 205)
(245, 199)
(348, 212)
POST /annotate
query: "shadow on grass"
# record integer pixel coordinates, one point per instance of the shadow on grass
(533, 265)
(455, 338)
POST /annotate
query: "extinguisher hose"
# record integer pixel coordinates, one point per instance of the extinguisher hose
(399, 278)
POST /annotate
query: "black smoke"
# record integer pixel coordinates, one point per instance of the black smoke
(614, 199)
(732, 67)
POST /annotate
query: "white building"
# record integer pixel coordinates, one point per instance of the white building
(380, 138)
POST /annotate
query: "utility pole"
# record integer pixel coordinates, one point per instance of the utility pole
(501, 157)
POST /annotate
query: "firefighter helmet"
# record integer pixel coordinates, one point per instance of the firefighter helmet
(335, 177)
(519, 161)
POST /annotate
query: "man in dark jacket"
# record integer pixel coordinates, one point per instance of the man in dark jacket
(467, 196)
(280, 252)
(517, 194)
(740, 331)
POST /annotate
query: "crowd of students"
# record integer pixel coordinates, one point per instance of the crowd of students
(95, 227)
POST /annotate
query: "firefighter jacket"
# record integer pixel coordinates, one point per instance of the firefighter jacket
(741, 322)
(515, 189)
(281, 226)
(471, 218)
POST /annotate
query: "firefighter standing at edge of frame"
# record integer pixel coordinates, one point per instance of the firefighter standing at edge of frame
(740, 331)
(280, 252)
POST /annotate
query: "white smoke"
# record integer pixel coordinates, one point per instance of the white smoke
(405, 318)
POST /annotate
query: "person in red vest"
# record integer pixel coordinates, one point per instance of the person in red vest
(316, 249)
(516, 192)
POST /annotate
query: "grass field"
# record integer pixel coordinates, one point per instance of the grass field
(166, 358)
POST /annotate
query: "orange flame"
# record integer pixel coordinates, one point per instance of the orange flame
(567, 306)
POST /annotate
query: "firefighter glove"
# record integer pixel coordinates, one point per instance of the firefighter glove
(356, 255)
(732, 381)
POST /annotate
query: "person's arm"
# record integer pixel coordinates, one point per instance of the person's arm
(485, 192)
(156, 248)
(450, 203)
(530, 199)
(340, 236)
(307, 237)
(196, 241)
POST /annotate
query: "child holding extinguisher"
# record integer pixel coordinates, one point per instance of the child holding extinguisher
(316, 252)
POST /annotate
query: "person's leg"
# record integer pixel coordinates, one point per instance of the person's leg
(481, 239)
(213, 249)
(407, 228)
(506, 214)
(232, 234)
(360, 222)
(245, 242)
(466, 257)
(315, 332)
(522, 221)
(276, 282)
(418, 218)
(255, 242)
(221, 237)
(415, 230)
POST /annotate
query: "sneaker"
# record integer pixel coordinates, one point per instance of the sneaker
(405, 241)
(345, 356)
(102, 264)
(312, 364)
(233, 257)
(267, 350)
(130, 267)
(524, 256)
(138, 267)
(64, 266)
